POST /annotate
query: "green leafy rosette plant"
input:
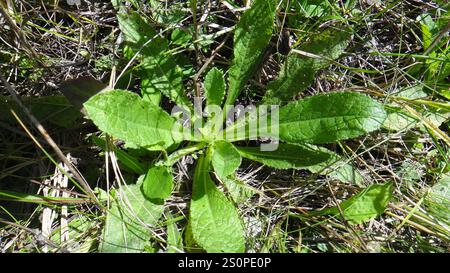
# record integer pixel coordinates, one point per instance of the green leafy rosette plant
(214, 223)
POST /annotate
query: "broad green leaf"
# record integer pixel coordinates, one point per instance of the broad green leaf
(225, 158)
(339, 170)
(336, 167)
(286, 156)
(298, 72)
(367, 204)
(398, 119)
(54, 109)
(160, 72)
(125, 115)
(251, 37)
(317, 119)
(214, 221)
(191, 245)
(237, 189)
(125, 229)
(214, 87)
(444, 92)
(330, 117)
(158, 183)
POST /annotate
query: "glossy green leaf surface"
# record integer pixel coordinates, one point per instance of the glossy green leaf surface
(317, 119)
(214, 87)
(286, 156)
(225, 159)
(124, 230)
(126, 116)
(330, 117)
(251, 37)
(158, 183)
(214, 221)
